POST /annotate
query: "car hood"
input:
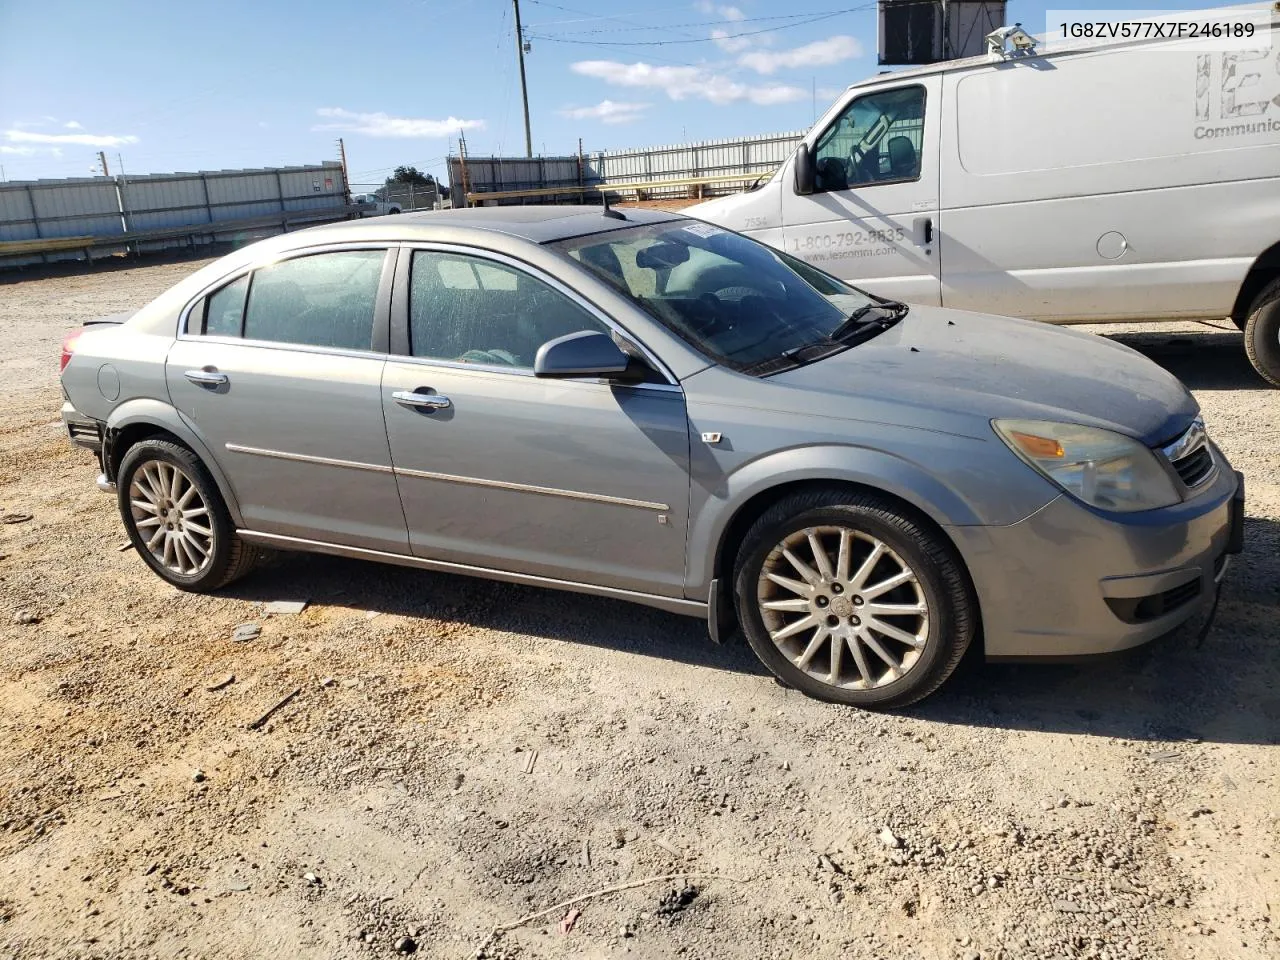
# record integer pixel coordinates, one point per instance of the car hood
(953, 370)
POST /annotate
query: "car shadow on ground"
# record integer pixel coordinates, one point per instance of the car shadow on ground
(491, 605)
(1211, 358)
(1225, 688)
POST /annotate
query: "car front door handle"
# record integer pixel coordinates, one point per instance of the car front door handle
(429, 401)
(206, 378)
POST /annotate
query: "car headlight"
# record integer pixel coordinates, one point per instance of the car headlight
(1104, 469)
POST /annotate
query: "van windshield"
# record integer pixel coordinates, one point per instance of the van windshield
(736, 301)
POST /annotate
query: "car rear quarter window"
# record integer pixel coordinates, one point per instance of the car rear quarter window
(225, 309)
(321, 300)
(471, 310)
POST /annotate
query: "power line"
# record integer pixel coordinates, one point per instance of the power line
(729, 36)
(704, 23)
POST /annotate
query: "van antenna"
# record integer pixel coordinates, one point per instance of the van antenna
(612, 214)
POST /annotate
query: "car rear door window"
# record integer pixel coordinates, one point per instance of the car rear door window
(321, 300)
(471, 310)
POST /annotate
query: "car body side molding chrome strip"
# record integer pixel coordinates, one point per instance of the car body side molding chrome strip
(693, 608)
(451, 478)
(307, 458)
(532, 488)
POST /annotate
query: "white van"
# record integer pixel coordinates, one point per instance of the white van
(1126, 180)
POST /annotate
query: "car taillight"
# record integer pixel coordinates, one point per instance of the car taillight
(69, 347)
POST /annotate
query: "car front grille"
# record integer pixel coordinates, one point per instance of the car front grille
(1191, 457)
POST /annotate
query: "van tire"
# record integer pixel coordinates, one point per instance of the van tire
(1262, 333)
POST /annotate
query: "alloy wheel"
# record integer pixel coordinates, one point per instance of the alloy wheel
(843, 607)
(171, 517)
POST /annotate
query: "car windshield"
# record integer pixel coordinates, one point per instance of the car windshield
(738, 302)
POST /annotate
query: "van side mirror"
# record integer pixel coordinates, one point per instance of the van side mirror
(804, 171)
(587, 353)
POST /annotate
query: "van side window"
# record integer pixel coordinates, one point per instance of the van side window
(878, 139)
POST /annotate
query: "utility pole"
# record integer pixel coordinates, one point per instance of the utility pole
(102, 158)
(466, 183)
(346, 181)
(524, 89)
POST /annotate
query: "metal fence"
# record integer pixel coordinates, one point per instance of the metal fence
(748, 157)
(61, 219)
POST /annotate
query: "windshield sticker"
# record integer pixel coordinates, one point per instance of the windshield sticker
(703, 230)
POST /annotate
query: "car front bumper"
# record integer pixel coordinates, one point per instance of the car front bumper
(1069, 581)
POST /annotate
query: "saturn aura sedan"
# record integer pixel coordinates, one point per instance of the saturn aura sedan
(648, 407)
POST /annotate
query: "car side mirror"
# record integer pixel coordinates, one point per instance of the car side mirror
(587, 353)
(804, 171)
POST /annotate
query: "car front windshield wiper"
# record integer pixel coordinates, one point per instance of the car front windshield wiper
(872, 316)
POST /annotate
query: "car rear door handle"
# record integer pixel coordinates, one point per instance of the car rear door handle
(429, 401)
(206, 378)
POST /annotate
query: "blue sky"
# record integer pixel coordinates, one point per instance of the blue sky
(190, 86)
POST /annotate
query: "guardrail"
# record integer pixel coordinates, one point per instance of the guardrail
(189, 232)
(639, 188)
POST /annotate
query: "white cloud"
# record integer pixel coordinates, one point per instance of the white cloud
(384, 125)
(684, 83)
(728, 11)
(68, 139)
(19, 151)
(73, 125)
(820, 53)
(607, 111)
(728, 43)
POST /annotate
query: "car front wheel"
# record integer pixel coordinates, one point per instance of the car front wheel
(177, 520)
(847, 599)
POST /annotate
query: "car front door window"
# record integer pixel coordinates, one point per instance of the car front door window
(470, 310)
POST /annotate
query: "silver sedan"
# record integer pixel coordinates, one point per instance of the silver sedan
(648, 407)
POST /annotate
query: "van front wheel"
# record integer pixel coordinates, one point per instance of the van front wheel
(1262, 334)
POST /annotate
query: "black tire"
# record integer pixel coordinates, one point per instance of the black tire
(1262, 333)
(951, 612)
(229, 557)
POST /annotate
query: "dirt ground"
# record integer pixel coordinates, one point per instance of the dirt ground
(461, 754)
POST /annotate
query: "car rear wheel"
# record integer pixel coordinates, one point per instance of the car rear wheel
(1262, 334)
(847, 599)
(177, 520)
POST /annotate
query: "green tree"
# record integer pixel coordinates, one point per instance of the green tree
(405, 176)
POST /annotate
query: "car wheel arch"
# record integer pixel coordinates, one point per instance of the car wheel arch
(1262, 272)
(745, 515)
(742, 495)
(137, 420)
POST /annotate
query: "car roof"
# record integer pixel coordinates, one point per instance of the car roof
(539, 224)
